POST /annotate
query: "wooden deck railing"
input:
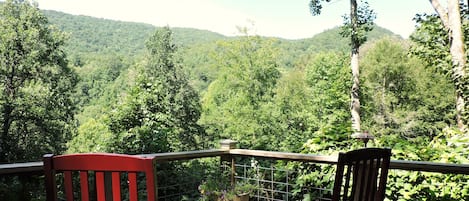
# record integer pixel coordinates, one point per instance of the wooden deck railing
(31, 168)
(229, 152)
(34, 168)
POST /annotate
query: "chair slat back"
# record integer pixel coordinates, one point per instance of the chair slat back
(116, 186)
(361, 175)
(107, 170)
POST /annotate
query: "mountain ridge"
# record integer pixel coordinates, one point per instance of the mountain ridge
(98, 35)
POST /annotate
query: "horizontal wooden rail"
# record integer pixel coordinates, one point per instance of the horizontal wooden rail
(445, 168)
(22, 168)
(424, 166)
(187, 155)
(37, 167)
(285, 156)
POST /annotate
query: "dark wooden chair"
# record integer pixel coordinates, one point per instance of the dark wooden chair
(361, 175)
(106, 168)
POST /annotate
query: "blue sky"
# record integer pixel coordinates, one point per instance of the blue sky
(280, 18)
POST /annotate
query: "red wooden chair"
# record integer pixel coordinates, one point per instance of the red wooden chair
(364, 172)
(100, 164)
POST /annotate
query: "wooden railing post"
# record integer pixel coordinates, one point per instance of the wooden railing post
(227, 145)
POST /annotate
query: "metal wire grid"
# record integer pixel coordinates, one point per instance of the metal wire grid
(183, 183)
(176, 192)
(272, 188)
(275, 184)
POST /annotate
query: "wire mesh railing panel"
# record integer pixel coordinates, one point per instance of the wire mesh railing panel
(285, 181)
(277, 178)
(179, 180)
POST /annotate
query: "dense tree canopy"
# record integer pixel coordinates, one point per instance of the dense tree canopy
(327, 76)
(161, 111)
(36, 111)
(402, 97)
(265, 93)
(435, 44)
(233, 106)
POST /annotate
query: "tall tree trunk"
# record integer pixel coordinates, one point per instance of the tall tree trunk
(452, 22)
(355, 91)
(458, 57)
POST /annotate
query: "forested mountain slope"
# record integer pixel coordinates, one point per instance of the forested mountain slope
(331, 40)
(95, 35)
(102, 49)
(135, 88)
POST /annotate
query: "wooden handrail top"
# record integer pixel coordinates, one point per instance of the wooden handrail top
(187, 155)
(285, 156)
(445, 168)
(22, 168)
(425, 166)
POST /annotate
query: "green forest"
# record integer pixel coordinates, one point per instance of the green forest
(73, 84)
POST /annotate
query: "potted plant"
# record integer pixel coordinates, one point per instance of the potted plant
(242, 190)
